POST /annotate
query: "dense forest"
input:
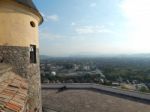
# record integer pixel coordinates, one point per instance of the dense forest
(126, 68)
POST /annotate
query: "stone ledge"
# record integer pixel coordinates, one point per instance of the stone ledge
(131, 95)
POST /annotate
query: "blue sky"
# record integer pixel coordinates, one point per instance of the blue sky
(96, 27)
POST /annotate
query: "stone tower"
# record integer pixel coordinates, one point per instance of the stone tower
(19, 44)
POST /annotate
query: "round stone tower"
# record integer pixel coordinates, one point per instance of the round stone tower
(19, 43)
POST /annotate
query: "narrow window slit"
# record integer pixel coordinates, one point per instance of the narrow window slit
(33, 54)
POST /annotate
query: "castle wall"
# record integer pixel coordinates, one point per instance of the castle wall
(15, 29)
(16, 36)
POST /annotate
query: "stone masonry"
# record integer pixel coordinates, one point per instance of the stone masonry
(19, 58)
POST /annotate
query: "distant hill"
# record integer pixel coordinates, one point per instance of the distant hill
(144, 55)
(141, 55)
(42, 57)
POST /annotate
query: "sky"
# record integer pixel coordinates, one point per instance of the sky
(95, 27)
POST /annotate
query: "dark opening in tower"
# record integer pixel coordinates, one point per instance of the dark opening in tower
(32, 53)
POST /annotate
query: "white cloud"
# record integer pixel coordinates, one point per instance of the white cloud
(93, 5)
(53, 17)
(92, 29)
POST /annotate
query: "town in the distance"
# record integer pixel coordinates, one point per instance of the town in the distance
(124, 72)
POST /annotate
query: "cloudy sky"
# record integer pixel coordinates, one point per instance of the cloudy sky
(73, 27)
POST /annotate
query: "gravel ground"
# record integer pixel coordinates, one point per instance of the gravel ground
(88, 101)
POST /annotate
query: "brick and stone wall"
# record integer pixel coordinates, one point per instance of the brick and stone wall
(19, 59)
(16, 36)
(13, 91)
(16, 56)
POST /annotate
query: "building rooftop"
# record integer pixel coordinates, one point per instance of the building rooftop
(30, 4)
